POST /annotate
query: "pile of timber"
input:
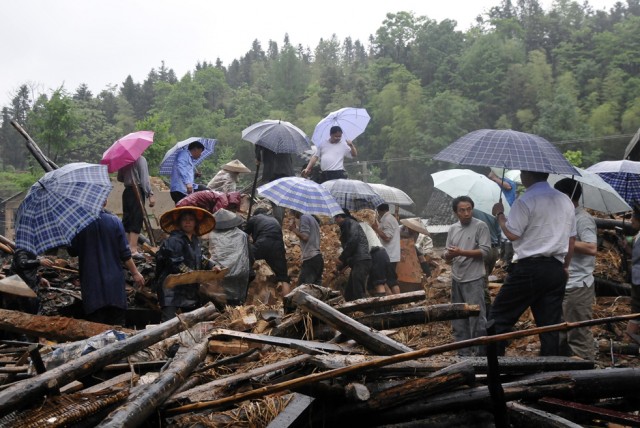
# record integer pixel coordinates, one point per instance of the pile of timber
(255, 366)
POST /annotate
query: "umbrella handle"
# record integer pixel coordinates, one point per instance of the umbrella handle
(253, 190)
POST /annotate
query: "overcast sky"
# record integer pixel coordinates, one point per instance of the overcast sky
(50, 43)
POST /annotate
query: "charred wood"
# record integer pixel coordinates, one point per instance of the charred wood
(421, 315)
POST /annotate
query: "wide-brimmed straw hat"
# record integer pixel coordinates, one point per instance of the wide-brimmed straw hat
(235, 166)
(170, 220)
(415, 224)
(225, 219)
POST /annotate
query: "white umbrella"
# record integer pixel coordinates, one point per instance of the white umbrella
(392, 195)
(464, 182)
(597, 194)
(353, 122)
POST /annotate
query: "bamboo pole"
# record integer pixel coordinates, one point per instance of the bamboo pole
(145, 218)
(385, 361)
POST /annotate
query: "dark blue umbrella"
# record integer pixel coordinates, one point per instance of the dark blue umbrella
(506, 149)
(278, 136)
(170, 157)
(623, 176)
(61, 204)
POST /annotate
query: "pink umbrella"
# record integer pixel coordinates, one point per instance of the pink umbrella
(126, 150)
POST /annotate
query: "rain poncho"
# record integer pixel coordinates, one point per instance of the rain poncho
(230, 249)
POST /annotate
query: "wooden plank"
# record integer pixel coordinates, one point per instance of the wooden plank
(594, 412)
(296, 411)
(525, 417)
(376, 302)
(367, 337)
(278, 341)
(231, 347)
(193, 277)
(15, 286)
(125, 379)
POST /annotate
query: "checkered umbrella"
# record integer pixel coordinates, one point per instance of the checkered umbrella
(170, 157)
(622, 175)
(353, 195)
(391, 195)
(506, 149)
(302, 195)
(61, 204)
(597, 194)
(278, 136)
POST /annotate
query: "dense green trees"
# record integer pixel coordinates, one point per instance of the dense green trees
(570, 74)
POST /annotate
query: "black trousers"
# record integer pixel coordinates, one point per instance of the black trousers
(311, 270)
(536, 283)
(356, 286)
(332, 175)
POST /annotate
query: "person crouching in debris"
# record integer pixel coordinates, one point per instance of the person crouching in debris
(268, 245)
(229, 248)
(25, 264)
(355, 254)
(181, 253)
(102, 248)
(468, 242)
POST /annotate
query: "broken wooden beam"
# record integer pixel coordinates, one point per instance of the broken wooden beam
(51, 327)
(420, 315)
(296, 411)
(526, 416)
(144, 401)
(377, 302)
(580, 410)
(278, 341)
(370, 339)
(20, 394)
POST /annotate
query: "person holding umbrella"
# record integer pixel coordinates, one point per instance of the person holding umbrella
(275, 166)
(102, 248)
(331, 154)
(136, 173)
(542, 227)
(183, 171)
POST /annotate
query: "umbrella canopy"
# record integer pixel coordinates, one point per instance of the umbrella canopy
(597, 194)
(126, 150)
(622, 175)
(464, 182)
(277, 136)
(353, 122)
(391, 195)
(353, 195)
(169, 158)
(302, 195)
(61, 204)
(506, 149)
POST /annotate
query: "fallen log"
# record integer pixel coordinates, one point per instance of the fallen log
(372, 340)
(607, 287)
(51, 327)
(610, 224)
(145, 400)
(607, 348)
(374, 364)
(20, 394)
(420, 315)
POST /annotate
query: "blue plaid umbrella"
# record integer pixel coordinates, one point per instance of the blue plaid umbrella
(60, 205)
(623, 176)
(353, 195)
(506, 149)
(170, 157)
(302, 195)
(278, 136)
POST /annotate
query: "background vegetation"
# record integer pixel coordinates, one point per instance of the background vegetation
(569, 74)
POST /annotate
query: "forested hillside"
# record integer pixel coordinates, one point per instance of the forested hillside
(569, 74)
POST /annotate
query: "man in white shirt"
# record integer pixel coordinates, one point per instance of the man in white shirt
(542, 227)
(388, 230)
(331, 154)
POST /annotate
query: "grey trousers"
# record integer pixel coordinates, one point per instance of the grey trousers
(578, 306)
(471, 292)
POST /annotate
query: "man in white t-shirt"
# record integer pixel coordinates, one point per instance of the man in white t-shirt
(388, 230)
(332, 153)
